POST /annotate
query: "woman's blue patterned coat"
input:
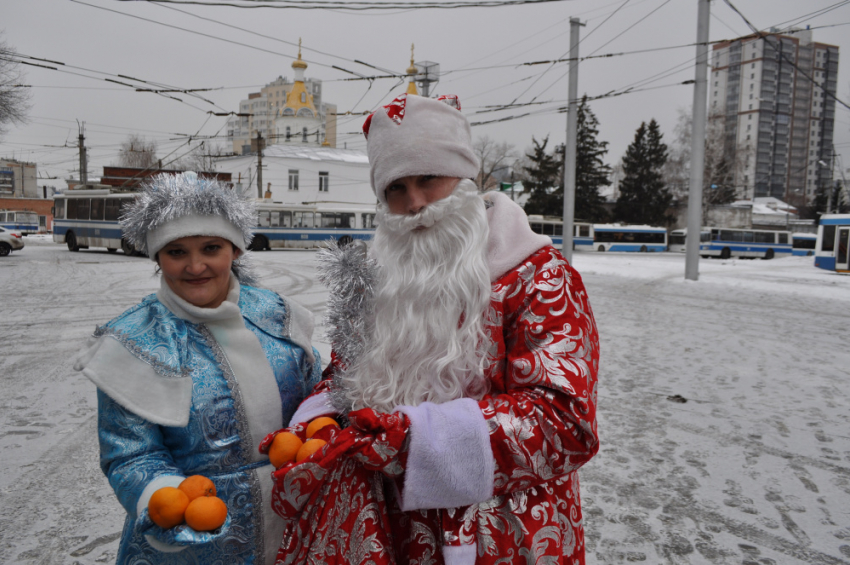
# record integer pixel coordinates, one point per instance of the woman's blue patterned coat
(218, 441)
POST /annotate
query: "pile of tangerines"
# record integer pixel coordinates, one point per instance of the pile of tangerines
(288, 447)
(194, 502)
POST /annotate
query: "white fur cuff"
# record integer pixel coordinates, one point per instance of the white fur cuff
(450, 461)
(312, 407)
(460, 554)
(152, 487)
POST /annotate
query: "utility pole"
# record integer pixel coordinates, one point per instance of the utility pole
(570, 152)
(259, 165)
(429, 73)
(84, 175)
(698, 144)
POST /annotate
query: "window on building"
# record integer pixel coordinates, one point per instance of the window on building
(303, 97)
(715, 84)
(323, 181)
(293, 179)
(748, 137)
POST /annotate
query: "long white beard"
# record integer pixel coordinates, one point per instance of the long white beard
(427, 340)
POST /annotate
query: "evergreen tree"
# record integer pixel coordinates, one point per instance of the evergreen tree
(541, 180)
(644, 198)
(546, 175)
(591, 172)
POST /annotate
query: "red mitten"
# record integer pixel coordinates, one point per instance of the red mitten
(382, 441)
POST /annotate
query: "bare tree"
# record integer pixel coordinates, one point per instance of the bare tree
(722, 165)
(14, 97)
(494, 157)
(137, 152)
(202, 158)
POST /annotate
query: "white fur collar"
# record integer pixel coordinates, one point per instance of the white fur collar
(511, 240)
(195, 314)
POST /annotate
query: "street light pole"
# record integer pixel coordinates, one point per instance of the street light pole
(692, 240)
(570, 149)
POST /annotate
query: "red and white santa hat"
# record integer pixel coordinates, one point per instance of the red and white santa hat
(413, 135)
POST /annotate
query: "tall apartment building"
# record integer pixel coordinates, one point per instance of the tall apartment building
(775, 95)
(288, 112)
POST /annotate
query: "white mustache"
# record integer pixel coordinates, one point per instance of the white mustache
(426, 218)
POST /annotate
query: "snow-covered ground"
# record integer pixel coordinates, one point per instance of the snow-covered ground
(724, 406)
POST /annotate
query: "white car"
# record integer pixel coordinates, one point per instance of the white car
(9, 240)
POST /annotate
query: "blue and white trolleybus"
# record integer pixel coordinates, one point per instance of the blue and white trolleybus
(20, 221)
(752, 244)
(831, 251)
(294, 226)
(616, 237)
(553, 226)
(89, 218)
(803, 244)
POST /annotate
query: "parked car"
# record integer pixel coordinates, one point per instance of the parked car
(9, 240)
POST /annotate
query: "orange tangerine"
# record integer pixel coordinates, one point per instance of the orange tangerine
(197, 485)
(284, 448)
(206, 513)
(318, 424)
(167, 506)
(310, 447)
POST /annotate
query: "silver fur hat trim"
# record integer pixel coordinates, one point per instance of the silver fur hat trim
(168, 197)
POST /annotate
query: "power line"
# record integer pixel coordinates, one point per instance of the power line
(353, 6)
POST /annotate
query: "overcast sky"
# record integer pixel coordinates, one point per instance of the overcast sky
(481, 52)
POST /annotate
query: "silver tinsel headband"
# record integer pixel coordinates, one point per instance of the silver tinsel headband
(166, 198)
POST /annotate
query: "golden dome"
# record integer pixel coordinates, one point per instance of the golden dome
(412, 70)
(298, 63)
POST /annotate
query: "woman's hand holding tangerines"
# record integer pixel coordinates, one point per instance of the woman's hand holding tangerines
(194, 502)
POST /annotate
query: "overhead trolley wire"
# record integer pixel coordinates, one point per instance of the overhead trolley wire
(354, 5)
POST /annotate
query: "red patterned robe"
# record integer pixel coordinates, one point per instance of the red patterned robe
(541, 420)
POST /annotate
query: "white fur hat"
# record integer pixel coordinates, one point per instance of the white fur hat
(418, 136)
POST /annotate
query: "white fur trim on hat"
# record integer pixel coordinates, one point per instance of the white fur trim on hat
(190, 225)
(432, 138)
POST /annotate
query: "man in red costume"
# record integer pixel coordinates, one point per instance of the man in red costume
(480, 357)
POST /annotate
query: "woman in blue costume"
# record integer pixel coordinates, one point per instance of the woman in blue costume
(193, 378)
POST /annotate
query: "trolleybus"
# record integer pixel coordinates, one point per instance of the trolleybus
(803, 244)
(553, 226)
(293, 226)
(831, 251)
(89, 218)
(616, 237)
(20, 221)
(676, 242)
(753, 244)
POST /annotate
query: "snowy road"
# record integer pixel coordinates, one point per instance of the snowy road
(754, 468)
